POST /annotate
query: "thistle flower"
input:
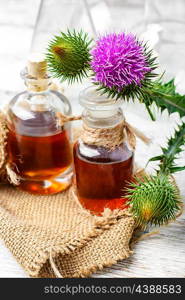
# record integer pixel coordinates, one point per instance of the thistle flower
(154, 200)
(121, 65)
(68, 56)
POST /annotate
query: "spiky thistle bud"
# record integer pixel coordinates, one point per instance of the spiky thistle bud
(68, 56)
(154, 200)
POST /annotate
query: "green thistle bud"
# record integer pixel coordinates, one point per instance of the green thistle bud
(154, 200)
(68, 56)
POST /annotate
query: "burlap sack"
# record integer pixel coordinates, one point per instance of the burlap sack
(41, 229)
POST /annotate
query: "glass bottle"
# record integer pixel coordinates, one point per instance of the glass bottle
(39, 147)
(102, 172)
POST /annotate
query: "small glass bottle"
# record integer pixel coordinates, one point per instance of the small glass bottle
(103, 158)
(39, 147)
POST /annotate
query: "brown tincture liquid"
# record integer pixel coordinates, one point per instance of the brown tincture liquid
(39, 158)
(101, 179)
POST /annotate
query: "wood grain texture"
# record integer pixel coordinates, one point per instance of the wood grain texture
(162, 255)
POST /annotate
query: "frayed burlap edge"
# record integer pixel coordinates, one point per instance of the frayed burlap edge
(7, 175)
(103, 223)
(87, 272)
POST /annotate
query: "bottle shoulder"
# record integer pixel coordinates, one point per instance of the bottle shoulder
(102, 155)
(42, 101)
(35, 113)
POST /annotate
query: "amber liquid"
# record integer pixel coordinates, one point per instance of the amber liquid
(36, 159)
(100, 180)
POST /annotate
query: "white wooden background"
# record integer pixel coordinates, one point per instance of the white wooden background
(162, 255)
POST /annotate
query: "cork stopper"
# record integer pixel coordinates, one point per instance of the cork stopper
(37, 66)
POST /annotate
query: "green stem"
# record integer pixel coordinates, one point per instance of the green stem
(150, 113)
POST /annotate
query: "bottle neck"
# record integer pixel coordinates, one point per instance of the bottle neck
(37, 85)
(102, 118)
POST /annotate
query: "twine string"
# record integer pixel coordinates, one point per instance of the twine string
(53, 266)
(112, 137)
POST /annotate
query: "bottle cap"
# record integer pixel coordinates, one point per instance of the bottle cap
(37, 66)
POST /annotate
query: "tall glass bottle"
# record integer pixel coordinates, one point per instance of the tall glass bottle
(39, 147)
(103, 158)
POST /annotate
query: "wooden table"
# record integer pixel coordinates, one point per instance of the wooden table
(162, 255)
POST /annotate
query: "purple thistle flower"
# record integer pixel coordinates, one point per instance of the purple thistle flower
(119, 60)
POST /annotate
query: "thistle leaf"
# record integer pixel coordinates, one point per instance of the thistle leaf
(169, 154)
(155, 158)
(165, 97)
(176, 169)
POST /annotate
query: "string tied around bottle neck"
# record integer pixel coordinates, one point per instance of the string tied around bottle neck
(112, 137)
(109, 137)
